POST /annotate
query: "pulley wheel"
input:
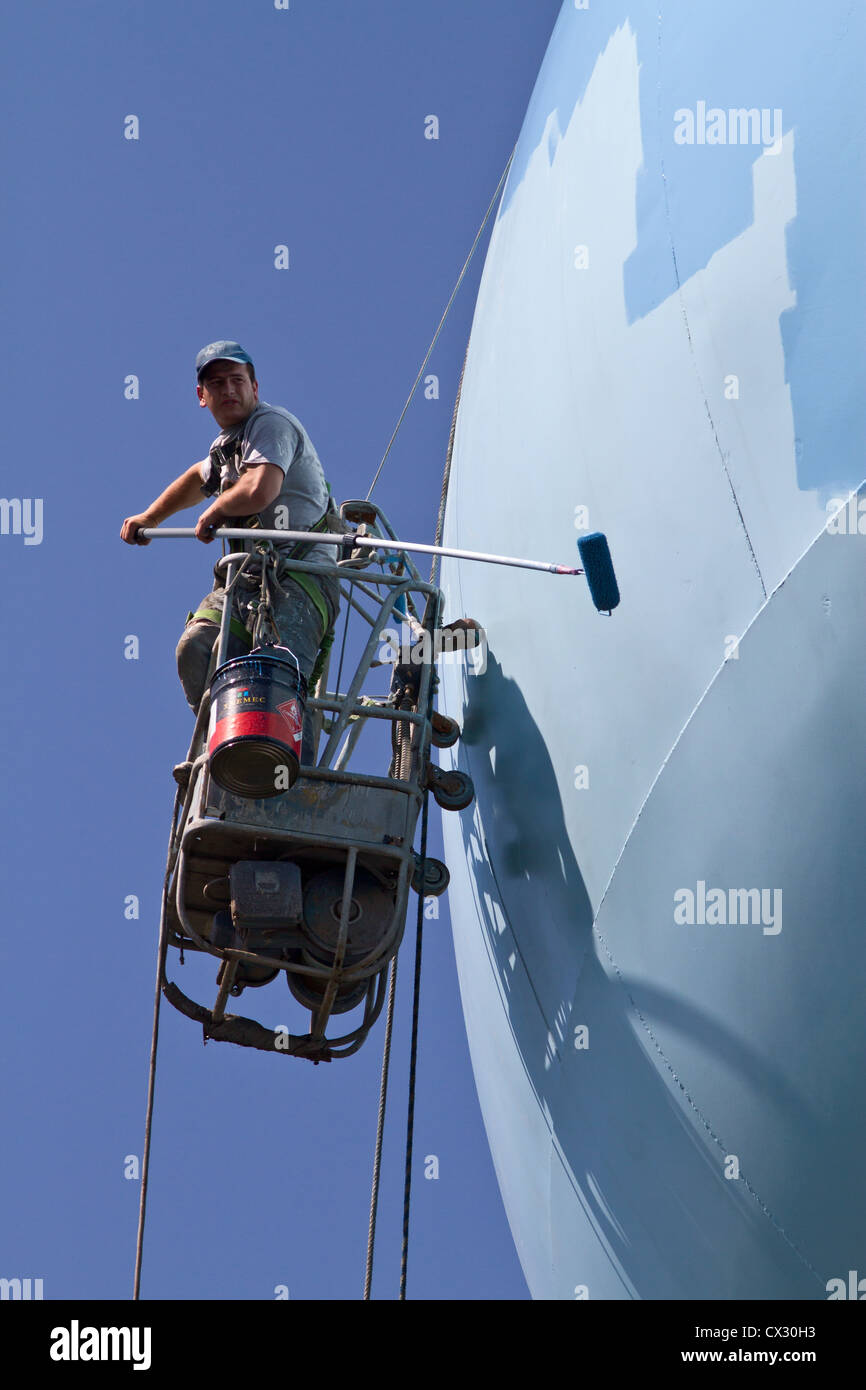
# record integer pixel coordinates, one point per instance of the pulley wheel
(310, 992)
(435, 879)
(453, 791)
(370, 911)
(445, 731)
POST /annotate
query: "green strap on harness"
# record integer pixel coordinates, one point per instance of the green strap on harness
(214, 615)
(237, 628)
(304, 581)
(321, 658)
(308, 583)
(313, 592)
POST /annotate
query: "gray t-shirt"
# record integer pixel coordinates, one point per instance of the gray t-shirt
(273, 435)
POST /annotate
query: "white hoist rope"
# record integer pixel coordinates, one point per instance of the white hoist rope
(442, 321)
(386, 1051)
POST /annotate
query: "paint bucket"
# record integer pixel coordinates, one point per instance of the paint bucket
(256, 723)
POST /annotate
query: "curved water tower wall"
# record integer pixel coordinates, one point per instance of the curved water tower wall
(656, 898)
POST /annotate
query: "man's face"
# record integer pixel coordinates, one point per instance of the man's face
(225, 388)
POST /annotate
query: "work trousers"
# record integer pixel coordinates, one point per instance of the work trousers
(298, 621)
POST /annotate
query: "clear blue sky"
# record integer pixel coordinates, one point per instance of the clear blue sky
(258, 127)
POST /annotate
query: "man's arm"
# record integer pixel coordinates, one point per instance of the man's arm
(254, 490)
(185, 491)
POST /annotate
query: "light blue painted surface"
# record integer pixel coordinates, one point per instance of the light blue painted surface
(807, 61)
(608, 387)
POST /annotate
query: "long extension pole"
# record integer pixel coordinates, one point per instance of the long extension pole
(235, 533)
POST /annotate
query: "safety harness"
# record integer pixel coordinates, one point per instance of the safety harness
(274, 570)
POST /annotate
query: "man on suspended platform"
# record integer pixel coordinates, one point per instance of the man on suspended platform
(264, 472)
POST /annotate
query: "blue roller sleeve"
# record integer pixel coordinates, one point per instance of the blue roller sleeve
(598, 566)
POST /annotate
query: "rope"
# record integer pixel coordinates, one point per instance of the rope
(380, 1129)
(446, 476)
(419, 927)
(265, 627)
(442, 320)
(151, 1076)
(416, 995)
(413, 1058)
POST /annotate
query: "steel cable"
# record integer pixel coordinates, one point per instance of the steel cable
(151, 1076)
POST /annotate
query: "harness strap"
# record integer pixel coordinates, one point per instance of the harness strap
(306, 582)
(313, 592)
(325, 647)
(302, 548)
(214, 615)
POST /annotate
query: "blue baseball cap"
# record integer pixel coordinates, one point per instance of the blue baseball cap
(220, 352)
